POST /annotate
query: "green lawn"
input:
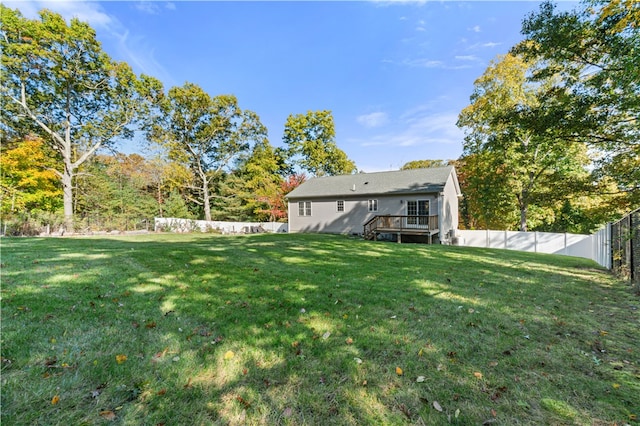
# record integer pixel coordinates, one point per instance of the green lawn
(307, 329)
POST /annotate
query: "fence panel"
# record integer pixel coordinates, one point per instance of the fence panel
(587, 246)
(625, 248)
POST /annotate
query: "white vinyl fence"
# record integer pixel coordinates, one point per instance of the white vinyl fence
(596, 246)
(186, 225)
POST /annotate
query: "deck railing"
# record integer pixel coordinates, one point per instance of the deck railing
(381, 224)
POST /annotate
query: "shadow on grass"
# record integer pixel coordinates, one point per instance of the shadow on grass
(282, 329)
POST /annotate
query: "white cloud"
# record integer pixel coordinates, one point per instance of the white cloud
(375, 119)
(475, 29)
(487, 45)
(431, 63)
(151, 8)
(423, 63)
(467, 58)
(421, 127)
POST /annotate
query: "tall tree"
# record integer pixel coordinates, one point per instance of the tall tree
(507, 123)
(310, 139)
(262, 178)
(595, 49)
(206, 133)
(57, 82)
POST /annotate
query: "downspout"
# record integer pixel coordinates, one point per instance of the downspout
(440, 215)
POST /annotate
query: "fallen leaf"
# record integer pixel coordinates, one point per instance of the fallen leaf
(349, 341)
(420, 379)
(399, 371)
(616, 385)
(493, 412)
(457, 413)
(478, 375)
(242, 401)
(108, 415)
(162, 391)
(358, 360)
(437, 406)
(228, 355)
(493, 364)
(55, 400)
(326, 335)
(420, 352)
(121, 358)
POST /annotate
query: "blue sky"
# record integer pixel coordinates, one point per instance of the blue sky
(394, 74)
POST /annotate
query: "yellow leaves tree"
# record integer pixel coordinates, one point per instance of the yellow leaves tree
(27, 178)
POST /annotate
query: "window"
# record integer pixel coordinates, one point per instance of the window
(373, 205)
(304, 208)
(340, 205)
(418, 212)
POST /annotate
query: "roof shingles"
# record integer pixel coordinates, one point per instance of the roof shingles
(431, 180)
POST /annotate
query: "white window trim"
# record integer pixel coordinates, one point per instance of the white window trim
(372, 205)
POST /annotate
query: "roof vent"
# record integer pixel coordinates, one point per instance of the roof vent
(366, 183)
(353, 188)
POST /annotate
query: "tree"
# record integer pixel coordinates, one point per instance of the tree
(113, 192)
(57, 82)
(206, 133)
(27, 179)
(425, 164)
(310, 139)
(262, 178)
(507, 125)
(595, 50)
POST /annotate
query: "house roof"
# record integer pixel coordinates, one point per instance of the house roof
(430, 180)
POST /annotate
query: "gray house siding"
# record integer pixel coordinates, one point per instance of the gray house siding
(325, 217)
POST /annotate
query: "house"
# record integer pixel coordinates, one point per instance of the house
(404, 205)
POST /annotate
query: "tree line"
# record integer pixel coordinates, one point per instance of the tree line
(66, 103)
(551, 133)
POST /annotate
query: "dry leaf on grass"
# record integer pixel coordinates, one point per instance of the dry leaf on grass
(399, 371)
(108, 415)
(437, 406)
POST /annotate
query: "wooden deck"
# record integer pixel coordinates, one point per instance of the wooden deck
(401, 225)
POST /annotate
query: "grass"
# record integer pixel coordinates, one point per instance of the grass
(311, 329)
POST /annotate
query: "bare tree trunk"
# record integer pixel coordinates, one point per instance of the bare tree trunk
(206, 198)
